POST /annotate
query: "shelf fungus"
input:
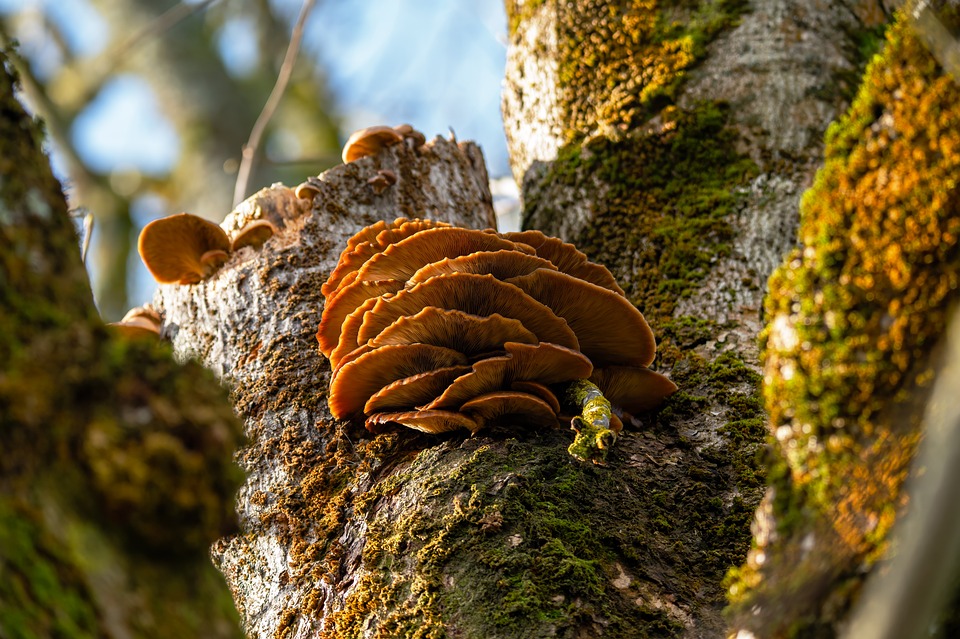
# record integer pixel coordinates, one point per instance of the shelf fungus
(142, 321)
(185, 248)
(439, 328)
(372, 140)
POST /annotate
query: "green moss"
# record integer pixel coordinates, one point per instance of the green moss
(855, 314)
(594, 435)
(124, 453)
(521, 510)
(668, 207)
(869, 293)
(42, 593)
(164, 468)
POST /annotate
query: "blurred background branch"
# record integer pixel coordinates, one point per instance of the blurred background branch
(149, 104)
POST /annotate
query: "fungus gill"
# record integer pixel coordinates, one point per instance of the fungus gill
(439, 328)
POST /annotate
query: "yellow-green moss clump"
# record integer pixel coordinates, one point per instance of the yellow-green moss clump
(854, 315)
(621, 62)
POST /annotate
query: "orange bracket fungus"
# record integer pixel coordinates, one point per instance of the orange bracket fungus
(185, 248)
(439, 328)
(369, 141)
(372, 140)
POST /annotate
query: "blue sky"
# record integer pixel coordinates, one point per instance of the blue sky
(434, 63)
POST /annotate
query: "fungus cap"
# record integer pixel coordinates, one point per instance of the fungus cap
(404, 258)
(142, 321)
(368, 242)
(609, 329)
(346, 301)
(369, 141)
(544, 363)
(182, 248)
(428, 421)
(415, 137)
(502, 264)
(567, 258)
(463, 332)
(413, 391)
(441, 328)
(253, 234)
(631, 388)
(348, 332)
(538, 389)
(474, 294)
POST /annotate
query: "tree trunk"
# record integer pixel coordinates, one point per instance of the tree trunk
(115, 462)
(671, 143)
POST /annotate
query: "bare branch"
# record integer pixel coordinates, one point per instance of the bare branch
(256, 134)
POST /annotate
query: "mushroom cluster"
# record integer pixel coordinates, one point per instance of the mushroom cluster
(185, 248)
(438, 328)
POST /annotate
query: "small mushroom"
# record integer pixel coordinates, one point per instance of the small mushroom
(182, 248)
(254, 234)
(415, 138)
(142, 321)
(308, 189)
(382, 180)
(369, 141)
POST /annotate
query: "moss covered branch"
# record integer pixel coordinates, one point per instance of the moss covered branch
(856, 315)
(115, 470)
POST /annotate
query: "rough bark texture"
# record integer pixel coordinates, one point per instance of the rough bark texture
(115, 472)
(851, 349)
(306, 556)
(686, 184)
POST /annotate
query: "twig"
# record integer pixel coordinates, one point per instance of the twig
(256, 133)
(88, 222)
